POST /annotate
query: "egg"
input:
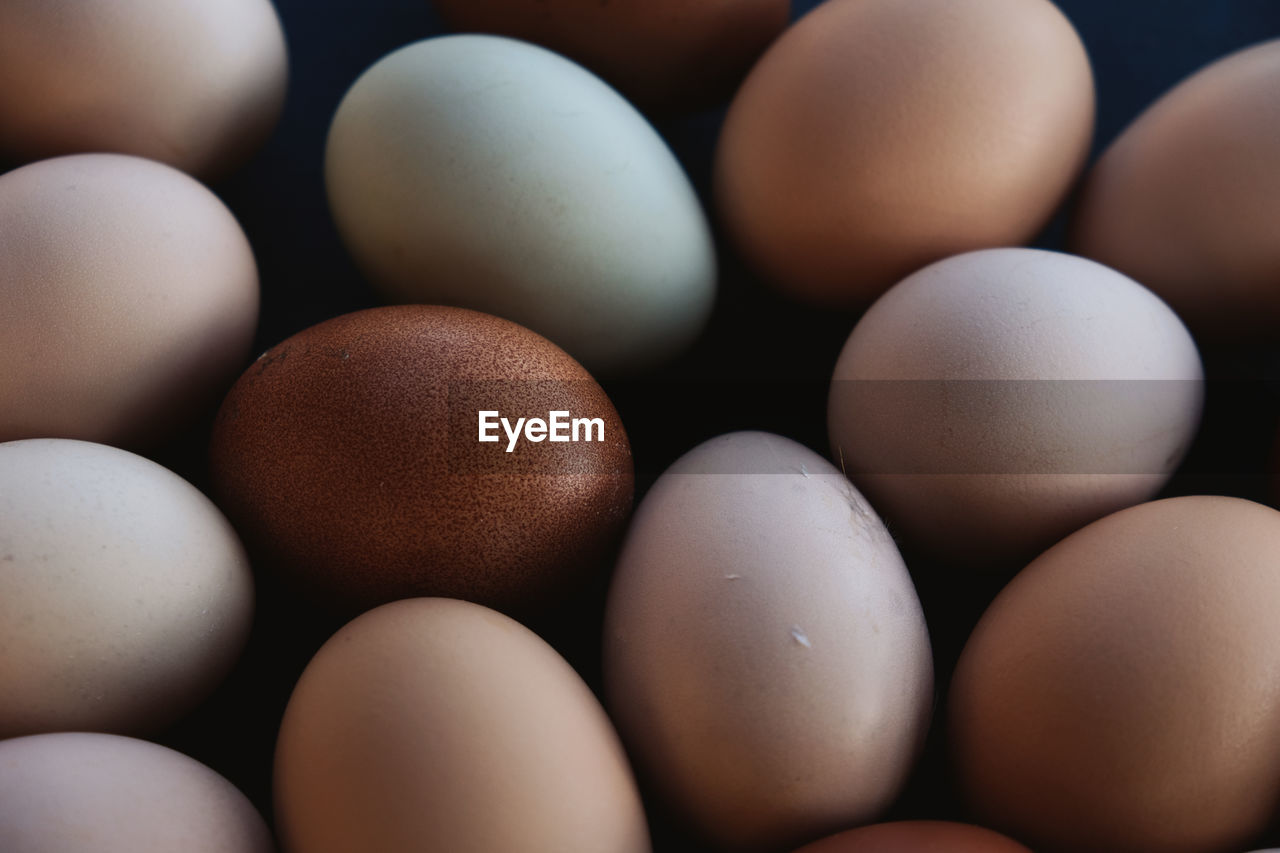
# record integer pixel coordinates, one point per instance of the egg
(877, 136)
(766, 659)
(193, 84)
(1185, 200)
(435, 724)
(75, 792)
(1120, 694)
(125, 596)
(491, 174)
(916, 836)
(996, 401)
(350, 457)
(706, 46)
(130, 294)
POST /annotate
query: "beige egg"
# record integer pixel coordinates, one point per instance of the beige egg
(491, 174)
(75, 792)
(1120, 694)
(1186, 200)
(131, 299)
(766, 658)
(996, 401)
(125, 596)
(436, 724)
(194, 84)
(877, 136)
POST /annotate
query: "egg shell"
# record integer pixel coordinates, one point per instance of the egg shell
(495, 175)
(1185, 200)
(766, 659)
(125, 596)
(76, 792)
(664, 55)
(435, 724)
(349, 457)
(996, 401)
(131, 299)
(1119, 694)
(877, 136)
(916, 836)
(193, 84)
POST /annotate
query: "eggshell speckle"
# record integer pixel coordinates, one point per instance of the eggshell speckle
(877, 136)
(349, 457)
(434, 724)
(1120, 693)
(76, 792)
(125, 596)
(996, 401)
(766, 658)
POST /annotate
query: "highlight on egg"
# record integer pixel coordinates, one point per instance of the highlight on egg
(916, 836)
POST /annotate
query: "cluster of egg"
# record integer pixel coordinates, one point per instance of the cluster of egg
(767, 668)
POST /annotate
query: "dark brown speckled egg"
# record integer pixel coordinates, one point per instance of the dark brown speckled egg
(350, 458)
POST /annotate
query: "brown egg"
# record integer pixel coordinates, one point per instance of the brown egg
(435, 724)
(1186, 200)
(194, 84)
(916, 836)
(1120, 694)
(877, 136)
(349, 456)
(75, 792)
(665, 54)
(130, 299)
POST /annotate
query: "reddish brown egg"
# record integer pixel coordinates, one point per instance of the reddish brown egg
(660, 53)
(349, 457)
(877, 136)
(916, 836)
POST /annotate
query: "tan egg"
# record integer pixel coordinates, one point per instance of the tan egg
(1120, 693)
(76, 792)
(125, 596)
(916, 836)
(435, 724)
(877, 136)
(992, 403)
(1186, 200)
(194, 84)
(131, 299)
(766, 658)
(669, 54)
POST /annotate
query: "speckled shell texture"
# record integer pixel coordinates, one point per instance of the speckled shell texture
(348, 456)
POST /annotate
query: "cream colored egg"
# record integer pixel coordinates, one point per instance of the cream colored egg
(75, 792)
(191, 83)
(766, 658)
(491, 174)
(130, 299)
(994, 402)
(125, 596)
(437, 724)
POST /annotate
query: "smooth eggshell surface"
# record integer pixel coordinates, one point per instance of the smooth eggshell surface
(348, 456)
(130, 295)
(996, 401)
(75, 792)
(766, 658)
(434, 724)
(916, 836)
(1186, 200)
(663, 54)
(125, 596)
(493, 174)
(1120, 693)
(194, 84)
(877, 136)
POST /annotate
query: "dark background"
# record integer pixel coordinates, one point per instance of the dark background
(763, 364)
